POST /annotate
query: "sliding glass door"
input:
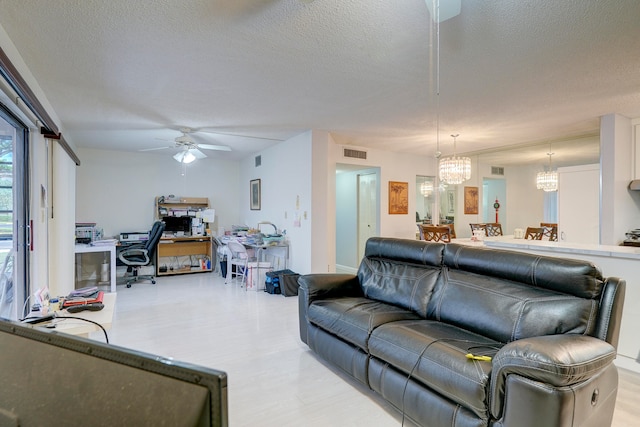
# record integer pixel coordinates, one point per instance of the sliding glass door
(14, 230)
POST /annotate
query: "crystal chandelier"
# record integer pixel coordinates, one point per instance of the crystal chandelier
(455, 170)
(547, 180)
(426, 188)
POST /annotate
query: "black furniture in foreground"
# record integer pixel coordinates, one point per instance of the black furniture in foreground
(54, 379)
(140, 255)
(461, 336)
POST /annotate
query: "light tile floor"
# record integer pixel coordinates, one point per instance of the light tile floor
(273, 378)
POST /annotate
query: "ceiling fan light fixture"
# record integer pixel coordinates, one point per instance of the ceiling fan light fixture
(184, 157)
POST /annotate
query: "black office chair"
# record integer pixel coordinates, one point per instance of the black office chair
(140, 255)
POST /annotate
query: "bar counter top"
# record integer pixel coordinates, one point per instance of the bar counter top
(509, 242)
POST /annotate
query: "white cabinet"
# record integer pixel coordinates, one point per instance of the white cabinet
(579, 204)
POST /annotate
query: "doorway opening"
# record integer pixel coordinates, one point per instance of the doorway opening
(357, 213)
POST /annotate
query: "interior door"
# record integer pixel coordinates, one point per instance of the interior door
(367, 210)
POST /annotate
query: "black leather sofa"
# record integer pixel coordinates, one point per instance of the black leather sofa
(455, 335)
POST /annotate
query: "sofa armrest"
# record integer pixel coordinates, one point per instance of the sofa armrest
(557, 360)
(329, 285)
(318, 286)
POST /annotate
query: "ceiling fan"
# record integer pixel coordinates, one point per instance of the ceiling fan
(189, 149)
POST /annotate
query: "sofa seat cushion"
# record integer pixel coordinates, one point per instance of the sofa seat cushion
(434, 354)
(353, 318)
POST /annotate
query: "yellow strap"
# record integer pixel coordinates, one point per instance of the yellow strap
(474, 357)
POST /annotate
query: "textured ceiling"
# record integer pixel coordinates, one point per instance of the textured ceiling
(126, 75)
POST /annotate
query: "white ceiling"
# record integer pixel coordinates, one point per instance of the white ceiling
(126, 75)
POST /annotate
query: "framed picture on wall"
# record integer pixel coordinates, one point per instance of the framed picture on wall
(398, 198)
(471, 200)
(451, 202)
(254, 194)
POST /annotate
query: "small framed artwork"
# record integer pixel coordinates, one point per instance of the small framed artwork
(398, 198)
(451, 202)
(254, 194)
(471, 200)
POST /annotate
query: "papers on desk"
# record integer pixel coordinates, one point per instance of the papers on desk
(106, 242)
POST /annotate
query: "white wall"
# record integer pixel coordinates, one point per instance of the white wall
(117, 190)
(62, 241)
(618, 206)
(285, 174)
(524, 202)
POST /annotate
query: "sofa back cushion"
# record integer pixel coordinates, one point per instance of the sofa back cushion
(509, 295)
(401, 272)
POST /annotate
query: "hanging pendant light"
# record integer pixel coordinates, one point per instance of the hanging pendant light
(455, 170)
(426, 188)
(547, 180)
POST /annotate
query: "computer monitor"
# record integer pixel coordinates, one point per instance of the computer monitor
(175, 224)
(51, 378)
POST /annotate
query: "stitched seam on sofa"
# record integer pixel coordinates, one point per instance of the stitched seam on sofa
(534, 266)
(535, 382)
(527, 301)
(593, 314)
(492, 291)
(453, 372)
(531, 382)
(609, 311)
(376, 274)
(544, 366)
(456, 257)
(442, 291)
(414, 303)
(340, 318)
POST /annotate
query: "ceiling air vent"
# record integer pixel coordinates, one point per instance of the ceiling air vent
(354, 154)
(497, 170)
(258, 160)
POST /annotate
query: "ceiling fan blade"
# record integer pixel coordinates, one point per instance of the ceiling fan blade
(238, 135)
(214, 147)
(197, 153)
(157, 148)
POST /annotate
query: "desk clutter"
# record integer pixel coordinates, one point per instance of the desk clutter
(45, 308)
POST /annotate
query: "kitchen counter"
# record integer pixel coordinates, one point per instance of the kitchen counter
(509, 242)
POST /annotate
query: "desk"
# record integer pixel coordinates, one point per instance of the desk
(262, 249)
(194, 248)
(84, 249)
(78, 327)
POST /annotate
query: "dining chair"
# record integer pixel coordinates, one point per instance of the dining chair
(452, 229)
(534, 233)
(478, 226)
(493, 229)
(437, 233)
(550, 230)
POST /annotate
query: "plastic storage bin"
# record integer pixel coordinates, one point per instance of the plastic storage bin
(257, 274)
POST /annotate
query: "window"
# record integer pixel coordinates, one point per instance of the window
(6, 182)
(14, 249)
